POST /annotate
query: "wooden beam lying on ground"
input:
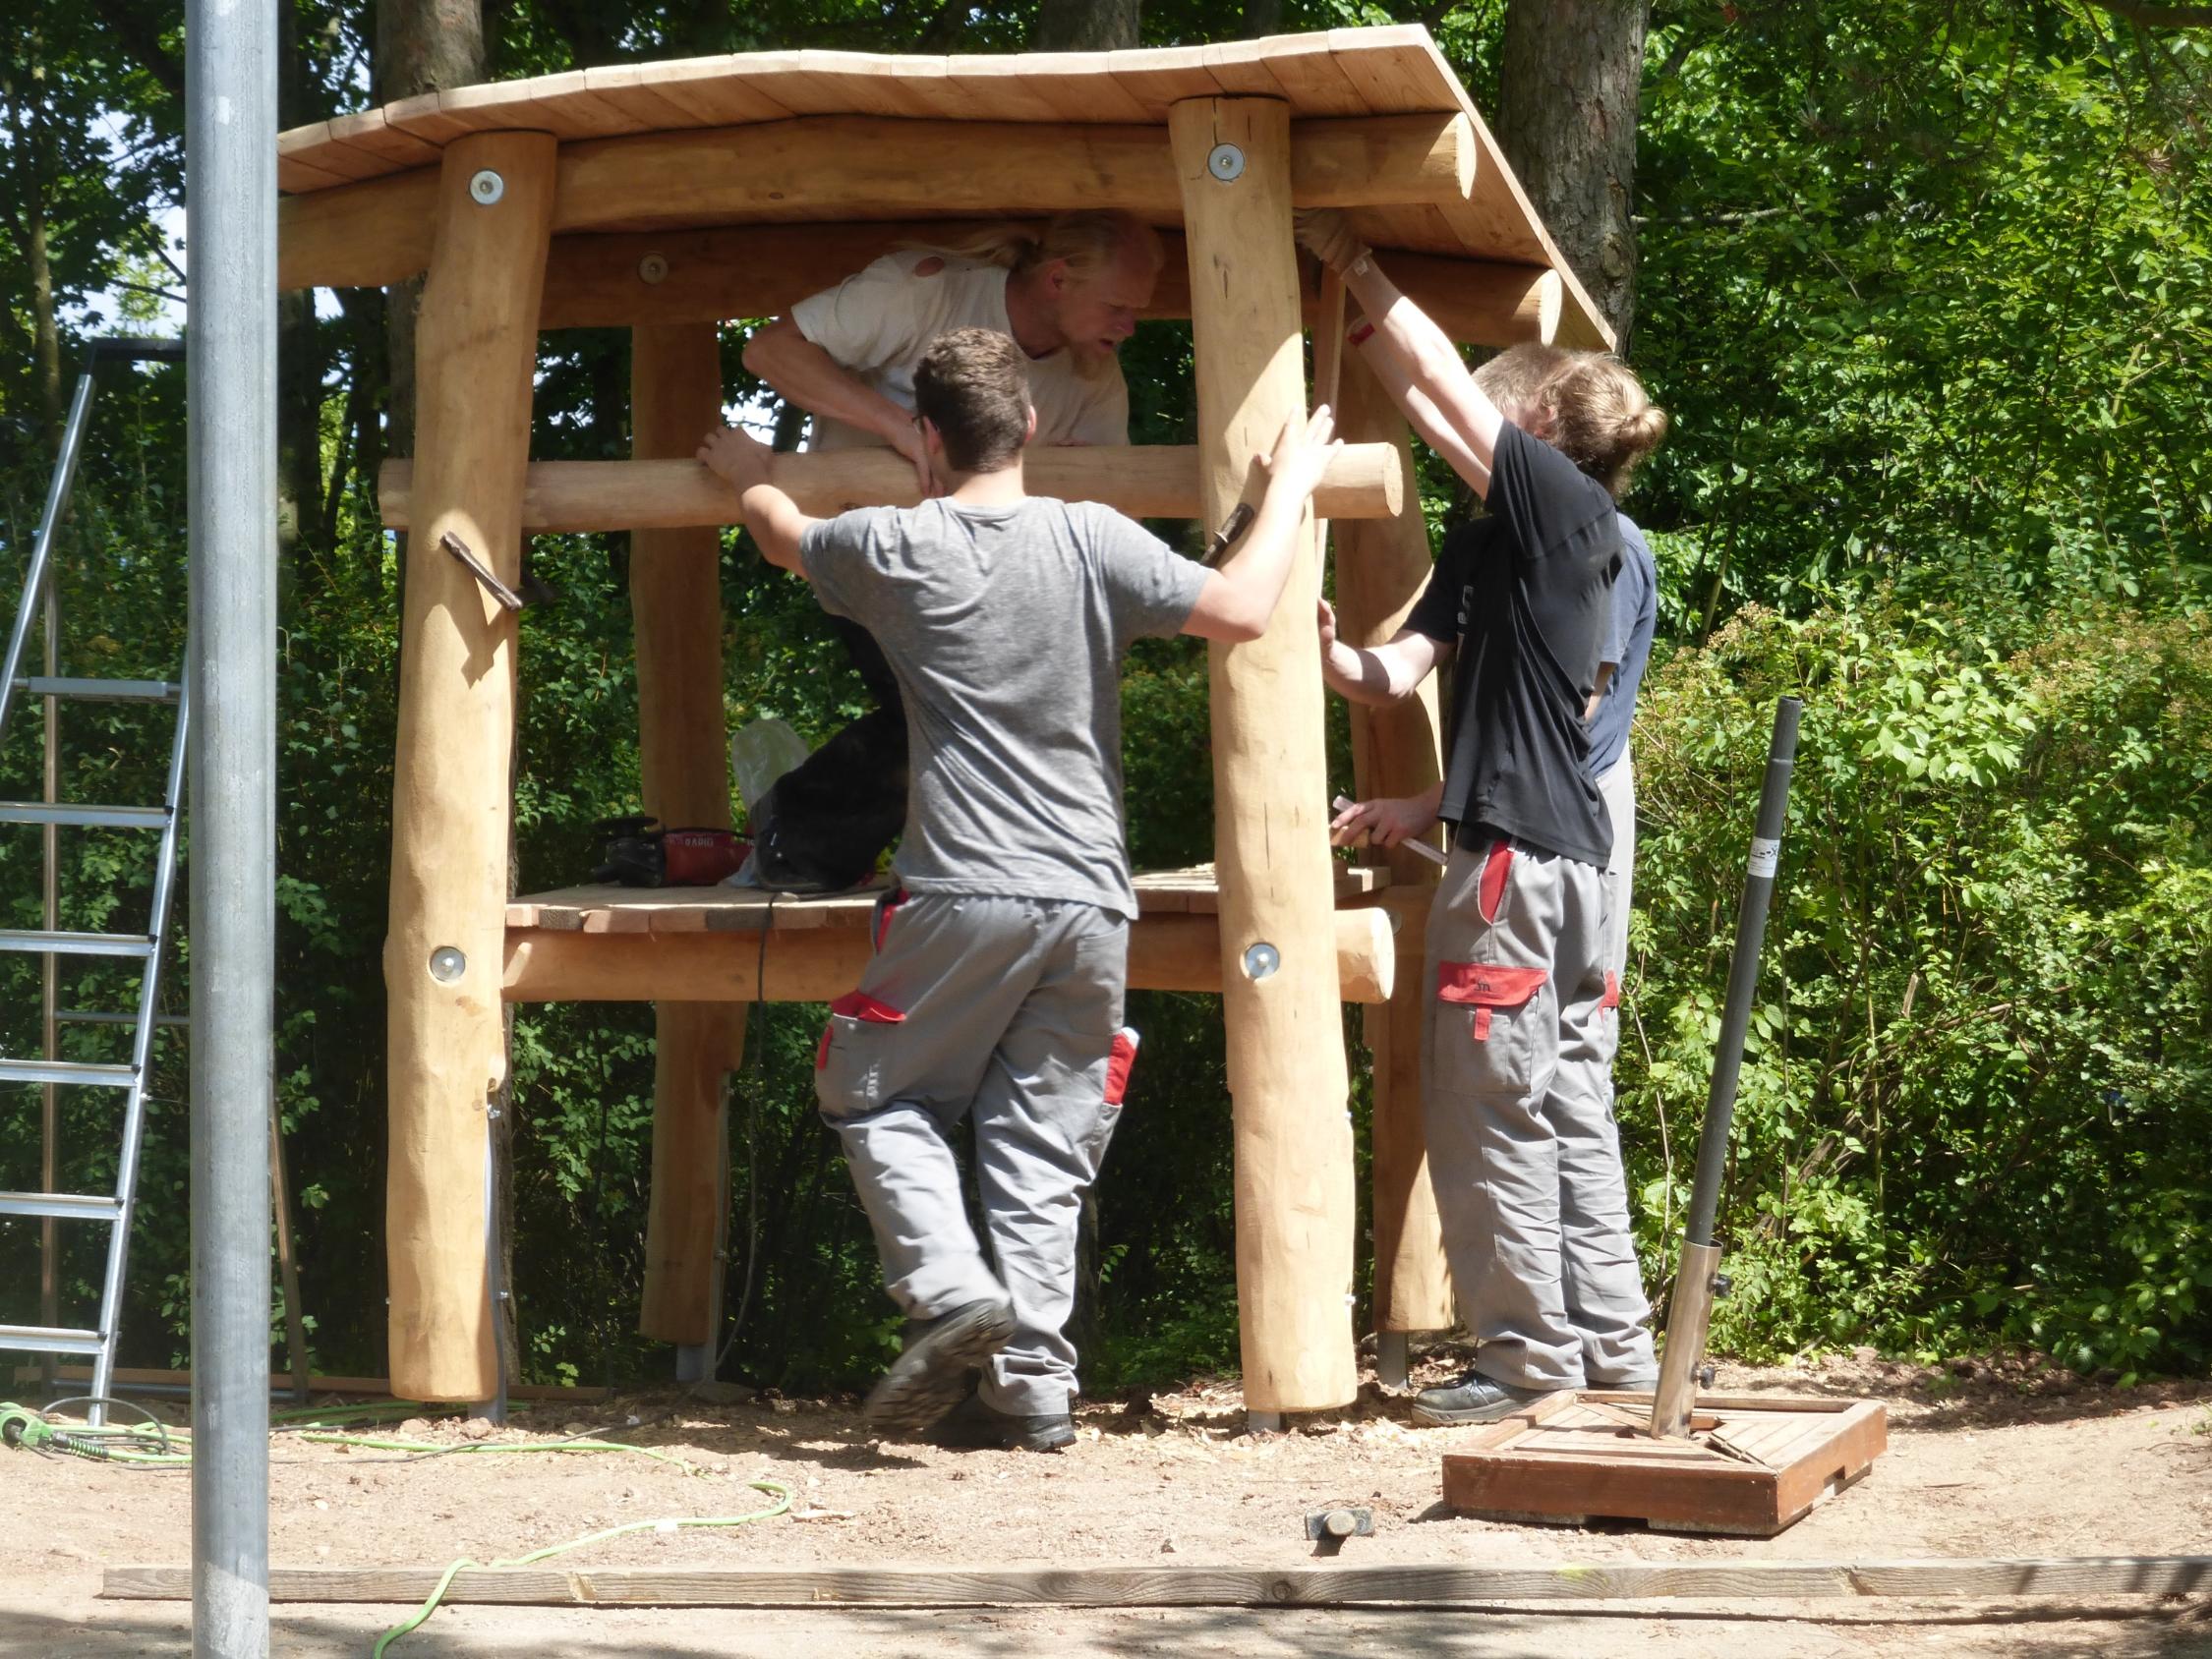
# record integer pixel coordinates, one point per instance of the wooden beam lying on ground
(623, 279)
(2070, 1578)
(127, 1376)
(1144, 481)
(844, 168)
(1166, 952)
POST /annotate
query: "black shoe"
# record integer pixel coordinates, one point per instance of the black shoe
(1473, 1399)
(925, 1381)
(976, 1425)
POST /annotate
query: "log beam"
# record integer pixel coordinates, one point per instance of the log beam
(1293, 1136)
(832, 168)
(1382, 568)
(476, 348)
(844, 167)
(1166, 952)
(1151, 481)
(675, 602)
(622, 280)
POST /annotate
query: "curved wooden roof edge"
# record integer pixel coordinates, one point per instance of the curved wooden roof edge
(1344, 73)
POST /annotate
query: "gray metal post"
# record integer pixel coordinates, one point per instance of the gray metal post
(230, 199)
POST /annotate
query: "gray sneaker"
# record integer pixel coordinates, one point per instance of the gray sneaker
(927, 1380)
(1473, 1399)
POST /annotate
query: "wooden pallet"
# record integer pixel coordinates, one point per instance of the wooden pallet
(1753, 1464)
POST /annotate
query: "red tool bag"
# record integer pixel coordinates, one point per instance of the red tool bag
(642, 854)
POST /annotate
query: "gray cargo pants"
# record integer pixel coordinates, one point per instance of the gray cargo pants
(1009, 1010)
(1518, 1094)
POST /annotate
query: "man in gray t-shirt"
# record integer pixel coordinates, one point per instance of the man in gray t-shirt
(996, 988)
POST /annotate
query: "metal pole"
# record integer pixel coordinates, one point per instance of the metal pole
(230, 155)
(1695, 1278)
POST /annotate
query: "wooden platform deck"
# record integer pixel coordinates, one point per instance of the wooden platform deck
(680, 911)
(716, 944)
(1753, 1466)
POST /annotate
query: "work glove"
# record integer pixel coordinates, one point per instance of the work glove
(1327, 235)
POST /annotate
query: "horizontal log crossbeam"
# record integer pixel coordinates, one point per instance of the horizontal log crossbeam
(1151, 481)
(621, 279)
(833, 170)
(1166, 952)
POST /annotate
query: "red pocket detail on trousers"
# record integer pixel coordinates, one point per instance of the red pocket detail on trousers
(1121, 1060)
(858, 1004)
(1612, 990)
(1484, 986)
(822, 1052)
(1489, 895)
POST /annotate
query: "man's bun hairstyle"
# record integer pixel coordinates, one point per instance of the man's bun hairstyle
(1601, 419)
(973, 386)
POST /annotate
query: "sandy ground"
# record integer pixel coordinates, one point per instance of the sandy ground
(2004, 1461)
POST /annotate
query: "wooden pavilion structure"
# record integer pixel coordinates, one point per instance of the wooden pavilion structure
(668, 198)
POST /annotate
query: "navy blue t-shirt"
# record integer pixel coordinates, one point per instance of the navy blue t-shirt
(1525, 593)
(1628, 649)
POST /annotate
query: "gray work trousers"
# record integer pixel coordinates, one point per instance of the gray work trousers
(1518, 1098)
(1008, 1010)
(1617, 785)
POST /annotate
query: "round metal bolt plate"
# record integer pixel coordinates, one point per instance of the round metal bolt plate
(1226, 162)
(654, 267)
(1340, 1523)
(1262, 960)
(487, 187)
(448, 964)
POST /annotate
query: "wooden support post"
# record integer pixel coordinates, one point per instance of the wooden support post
(1382, 568)
(676, 602)
(1294, 1178)
(476, 348)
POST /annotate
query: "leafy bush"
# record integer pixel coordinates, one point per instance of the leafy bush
(1976, 1093)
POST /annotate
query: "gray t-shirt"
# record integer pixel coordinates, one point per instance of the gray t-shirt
(1006, 628)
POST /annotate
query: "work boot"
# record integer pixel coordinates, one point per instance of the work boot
(976, 1425)
(1473, 1399)
(925, 1380)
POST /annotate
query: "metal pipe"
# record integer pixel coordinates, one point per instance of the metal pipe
(1696, 1277)
(49, 523)
(230, 385)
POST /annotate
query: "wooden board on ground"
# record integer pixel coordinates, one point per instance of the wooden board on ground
(1751, 1466)
(665, 910)
(1939, 1580)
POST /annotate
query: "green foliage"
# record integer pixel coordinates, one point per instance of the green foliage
(1976, 1092)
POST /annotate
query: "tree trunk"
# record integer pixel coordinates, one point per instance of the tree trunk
(422, 46)
(1567, 87)
(1262, 18)
(299, 425)
(45, 335)
(1085, 26)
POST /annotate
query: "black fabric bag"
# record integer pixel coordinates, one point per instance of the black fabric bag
(826, 821)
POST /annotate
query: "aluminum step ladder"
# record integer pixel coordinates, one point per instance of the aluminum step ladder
(112, 1210)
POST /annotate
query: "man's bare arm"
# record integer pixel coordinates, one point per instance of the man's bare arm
(1378, 674)
(1413, 355)
(746, 465)
(801, 371)
(1238, 600)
